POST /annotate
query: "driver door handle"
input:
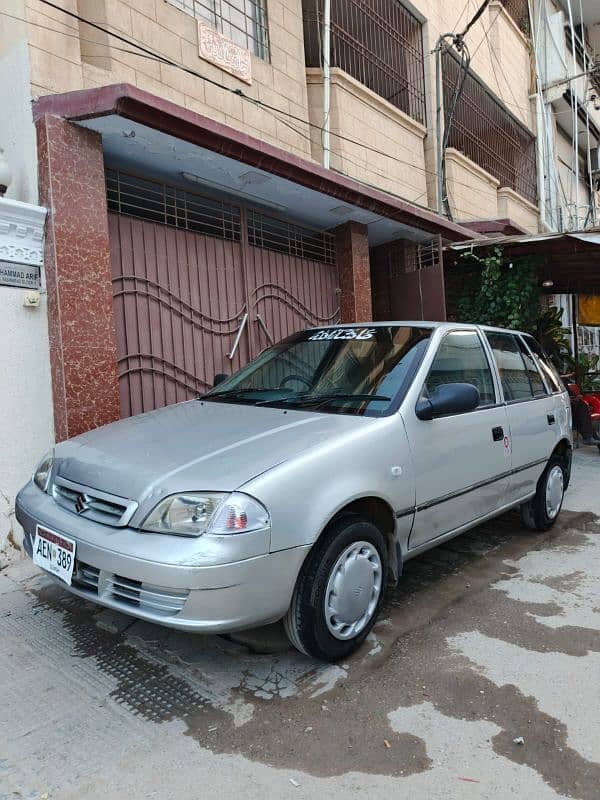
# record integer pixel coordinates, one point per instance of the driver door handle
(498, 434)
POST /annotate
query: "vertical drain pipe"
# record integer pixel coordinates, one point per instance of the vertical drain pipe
(326, 135)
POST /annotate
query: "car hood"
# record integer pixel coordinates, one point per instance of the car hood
(195, 445)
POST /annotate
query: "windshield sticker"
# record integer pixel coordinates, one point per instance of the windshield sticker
(343, 333)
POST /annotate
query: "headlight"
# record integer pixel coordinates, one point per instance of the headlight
(41, 476)
(195, 513)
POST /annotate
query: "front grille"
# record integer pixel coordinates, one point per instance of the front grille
(85, 577)
(92, 503)
(151, 599)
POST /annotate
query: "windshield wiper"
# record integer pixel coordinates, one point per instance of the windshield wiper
(233, 393)
(322, 399)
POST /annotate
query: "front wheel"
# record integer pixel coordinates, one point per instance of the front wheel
(540, 513)
(339, 590)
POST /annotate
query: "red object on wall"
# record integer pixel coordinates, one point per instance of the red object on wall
(83, 353)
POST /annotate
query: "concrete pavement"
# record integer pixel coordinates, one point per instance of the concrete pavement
(491, 638)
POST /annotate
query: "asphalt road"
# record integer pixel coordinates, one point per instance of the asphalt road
(489, 639)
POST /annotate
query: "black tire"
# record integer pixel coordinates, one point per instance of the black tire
(305, 622)
(535, 513)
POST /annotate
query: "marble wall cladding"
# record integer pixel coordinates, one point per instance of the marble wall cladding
(83, 351)
(354, 269)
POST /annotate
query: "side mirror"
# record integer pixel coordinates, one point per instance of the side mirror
(449, 398)
(219, 378)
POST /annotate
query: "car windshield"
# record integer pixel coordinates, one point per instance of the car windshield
(358, 370)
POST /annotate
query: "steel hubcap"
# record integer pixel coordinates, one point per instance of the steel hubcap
(554, 491)
(353, 590)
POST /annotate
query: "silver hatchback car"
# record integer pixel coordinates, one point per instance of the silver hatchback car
(298, 487)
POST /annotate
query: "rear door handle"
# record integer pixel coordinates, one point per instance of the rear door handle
(551, 419)
(498, 434)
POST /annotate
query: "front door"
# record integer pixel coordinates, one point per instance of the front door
(462, 461)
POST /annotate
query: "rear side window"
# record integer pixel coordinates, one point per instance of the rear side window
(462, 359)
(545, 366)
(513, 372)
(535, 379)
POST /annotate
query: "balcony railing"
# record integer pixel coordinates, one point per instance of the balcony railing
(379, 43)
(487, 133)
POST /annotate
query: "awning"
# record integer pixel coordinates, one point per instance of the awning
(155, 137)
(570, 261)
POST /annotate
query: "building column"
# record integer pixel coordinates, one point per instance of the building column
(354, 271)
(83, 349)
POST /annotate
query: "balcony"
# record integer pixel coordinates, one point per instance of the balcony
(379, 44)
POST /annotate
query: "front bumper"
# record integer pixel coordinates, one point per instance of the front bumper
(208, 595)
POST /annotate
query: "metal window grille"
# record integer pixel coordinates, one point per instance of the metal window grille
(378, 42)
(271, 233)
(485, 131)
(421, 255)
(242, 21)
(170, 205)
(519, 11)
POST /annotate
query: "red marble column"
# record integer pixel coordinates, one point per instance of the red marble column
(354, 270)
(83, 350)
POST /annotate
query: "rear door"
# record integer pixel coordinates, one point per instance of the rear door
(534, 429)
(462, 466)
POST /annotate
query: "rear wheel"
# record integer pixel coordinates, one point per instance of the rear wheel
(541, 512)
(339, 590)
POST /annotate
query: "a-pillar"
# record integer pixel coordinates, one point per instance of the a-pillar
(354, 272)
(83, 350)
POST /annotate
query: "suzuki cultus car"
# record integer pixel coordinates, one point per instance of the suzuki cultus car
(298, 487)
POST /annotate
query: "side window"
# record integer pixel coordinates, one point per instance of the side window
(537, 384)
(513, 371)
(544, 364)
(462, 359)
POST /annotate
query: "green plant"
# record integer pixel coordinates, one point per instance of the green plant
(553, 337)
(497, 292)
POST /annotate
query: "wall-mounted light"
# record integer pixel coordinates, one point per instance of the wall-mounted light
(547, 284)
(5, 173)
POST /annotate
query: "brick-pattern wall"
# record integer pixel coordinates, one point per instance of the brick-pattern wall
(61, 63)
(472, 193)
(359, 114)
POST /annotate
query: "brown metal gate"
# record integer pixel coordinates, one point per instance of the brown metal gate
(188, 305)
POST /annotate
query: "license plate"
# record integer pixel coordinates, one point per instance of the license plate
(54, 553)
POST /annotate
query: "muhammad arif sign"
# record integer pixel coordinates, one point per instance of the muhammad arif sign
(224, 53)
(22, 275)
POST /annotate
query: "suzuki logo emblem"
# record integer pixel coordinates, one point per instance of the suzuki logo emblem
(81, 504)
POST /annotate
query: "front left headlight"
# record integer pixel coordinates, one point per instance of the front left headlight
(197, 513)
(41, 476)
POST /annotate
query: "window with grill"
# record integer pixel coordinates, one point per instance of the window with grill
(377, 42)
(242, 21)
(170, 205)
(271, 233)
(487, 133)
(519, 11)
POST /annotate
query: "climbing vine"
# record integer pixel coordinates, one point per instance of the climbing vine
(497, 292)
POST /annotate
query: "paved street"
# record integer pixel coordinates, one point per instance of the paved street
(489, 639)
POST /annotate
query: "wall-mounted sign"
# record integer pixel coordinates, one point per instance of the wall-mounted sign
(24, 276)
(224, 53)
